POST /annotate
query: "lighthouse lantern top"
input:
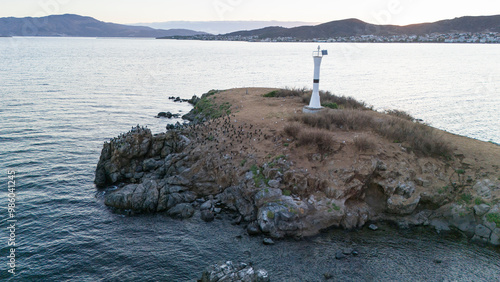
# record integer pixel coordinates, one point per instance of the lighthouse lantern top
(320, 53)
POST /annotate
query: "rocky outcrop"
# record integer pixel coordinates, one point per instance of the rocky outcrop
(178, 172)
(229, 272)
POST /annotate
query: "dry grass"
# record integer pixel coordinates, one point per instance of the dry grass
(400, 114)
(342, 119)
(293, 129)
(329, 98)
(321, 138)
(363, 143)
(288, 92)
(418, 137)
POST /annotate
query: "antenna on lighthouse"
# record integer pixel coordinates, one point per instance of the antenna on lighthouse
(315, 104)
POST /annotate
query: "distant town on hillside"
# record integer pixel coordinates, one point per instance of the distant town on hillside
(484, 29)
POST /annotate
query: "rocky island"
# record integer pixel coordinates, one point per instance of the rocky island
(253, 154)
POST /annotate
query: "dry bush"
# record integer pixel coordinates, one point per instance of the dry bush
(344, 119)
(318, 137)
(400, 114)
(288, 92)
(420, 137)
(363, 143)
(292, 129)
(341, 101)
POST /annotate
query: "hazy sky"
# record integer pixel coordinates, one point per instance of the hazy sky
(374, 11)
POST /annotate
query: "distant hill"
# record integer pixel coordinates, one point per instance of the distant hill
(75, 25)
(223, 27)
(355, 27)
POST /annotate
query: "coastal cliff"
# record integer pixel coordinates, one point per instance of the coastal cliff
(253, 154)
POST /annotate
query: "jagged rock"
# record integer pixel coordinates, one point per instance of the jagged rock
(399, 204)
(481, 209)
(482, 232)
(495, 237)
(140, 197)
(253, 229)
(483, 188)
(267, 195)
(355, 216)
(405, 189)
(182, 210)
(274, 183)
(440, 225)
(462, 218)
(167, 115)
(228, 272)
(125, 155)
(206, 205)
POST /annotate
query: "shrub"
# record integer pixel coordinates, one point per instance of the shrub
(292, 130)
(345, 119)
(400, 114)
(341, 101)
(320, 138)
(417, 137)
(287, 192)
(420, 137)
(287, 92)
(330, 105)
(478, 201)
(466, 198)
(363, 143)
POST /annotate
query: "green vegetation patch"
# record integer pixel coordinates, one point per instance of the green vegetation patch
(494, 217)
(258, 177)
(330, 105)
(271, 94)
(287, 192)
(466, 198)
(478, 201)
(208, 108)
(270, 214)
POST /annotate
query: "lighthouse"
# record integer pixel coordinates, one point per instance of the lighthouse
(315, 104)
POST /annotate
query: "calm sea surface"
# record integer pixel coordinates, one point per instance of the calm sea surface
(61, 98)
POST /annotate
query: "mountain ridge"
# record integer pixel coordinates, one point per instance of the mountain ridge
(72, 25)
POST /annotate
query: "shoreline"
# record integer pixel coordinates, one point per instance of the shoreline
(277, 187)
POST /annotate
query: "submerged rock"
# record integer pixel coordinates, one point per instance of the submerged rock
(229, 272)
(268, 241)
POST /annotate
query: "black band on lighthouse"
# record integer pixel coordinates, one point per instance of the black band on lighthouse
(315, 80)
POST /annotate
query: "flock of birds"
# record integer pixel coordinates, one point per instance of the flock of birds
(228, 136)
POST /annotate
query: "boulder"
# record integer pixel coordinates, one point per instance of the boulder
(207, 215)
(495, 237)
(481, 209)
(183, 210)
(253, 229)
(399, 204)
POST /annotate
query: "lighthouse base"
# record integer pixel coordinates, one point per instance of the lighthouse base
(310, 110)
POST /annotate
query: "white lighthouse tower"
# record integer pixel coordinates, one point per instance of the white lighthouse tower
(315, 104)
